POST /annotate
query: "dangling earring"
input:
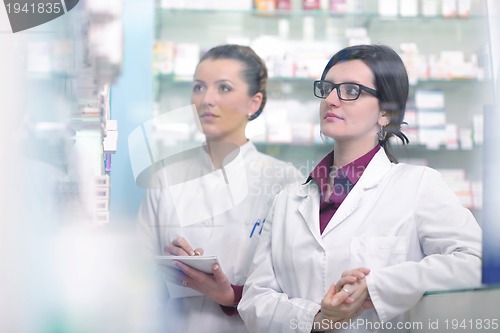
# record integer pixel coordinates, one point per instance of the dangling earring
(381, 134)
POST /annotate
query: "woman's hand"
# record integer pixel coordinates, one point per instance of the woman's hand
(353, 283)
(346, 299)
(180, 247)
(216, 286)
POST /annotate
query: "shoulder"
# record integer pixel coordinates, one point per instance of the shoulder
(267, 160)
(404, 169)
(419, 169)
(421, 178)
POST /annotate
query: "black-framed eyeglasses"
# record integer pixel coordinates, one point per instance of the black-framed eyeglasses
(346, 91)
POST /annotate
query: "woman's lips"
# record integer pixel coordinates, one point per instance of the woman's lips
(332, 116)
(208, 116)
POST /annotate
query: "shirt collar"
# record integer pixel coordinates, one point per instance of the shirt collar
(352, 171)
(322, 170)
(355, 169)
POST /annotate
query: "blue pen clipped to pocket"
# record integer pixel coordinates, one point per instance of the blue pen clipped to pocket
(257, 224)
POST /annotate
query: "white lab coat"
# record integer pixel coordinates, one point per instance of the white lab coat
(216, 210)
(399, 220)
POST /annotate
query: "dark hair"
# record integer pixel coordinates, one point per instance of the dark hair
(254, 72)
(391, 83)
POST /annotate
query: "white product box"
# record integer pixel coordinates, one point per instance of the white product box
(434, 118)
(449, 8)
(187, 56)
(279, 132)
(302, 132)
(429, 99)
(465, 135)
(477, 194)
(388, 8)
(464, 8)
(451, 136)
(477, 129)
(432, 138)
(408, 8)
(429, 8)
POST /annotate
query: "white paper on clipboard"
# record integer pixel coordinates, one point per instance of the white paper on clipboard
(201, 263)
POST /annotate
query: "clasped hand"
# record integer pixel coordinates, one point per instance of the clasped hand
(216, 286)
(347, 298)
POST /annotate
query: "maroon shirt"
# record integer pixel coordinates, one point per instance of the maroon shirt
(345, 179)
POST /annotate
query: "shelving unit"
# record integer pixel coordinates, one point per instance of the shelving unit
(298, 38)
(68, 132)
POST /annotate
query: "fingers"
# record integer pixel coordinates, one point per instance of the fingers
(329, 295)
(189, 271)
(219, 275)
(335, 298)
(198, 252)
(348, 279)
(330, 302)
(343, 296)
(359, 272)
(192, 277)
(179, 247)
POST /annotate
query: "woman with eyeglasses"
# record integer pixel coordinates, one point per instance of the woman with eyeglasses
(363, 238)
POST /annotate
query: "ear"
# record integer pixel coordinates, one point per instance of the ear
(255, 103)
(383, 119)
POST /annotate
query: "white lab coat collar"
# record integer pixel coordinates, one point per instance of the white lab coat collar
(247, 148)
(244, 151)
(309, 193)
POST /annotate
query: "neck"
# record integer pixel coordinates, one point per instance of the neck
(348, 151)
(219, 150)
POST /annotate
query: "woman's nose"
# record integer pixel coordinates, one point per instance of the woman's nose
(333, 97)
(209, 97)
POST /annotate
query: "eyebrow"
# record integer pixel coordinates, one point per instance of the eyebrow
(218, 81)
(346, 81)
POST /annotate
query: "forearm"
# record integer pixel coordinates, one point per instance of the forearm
(272, 311)
(396, 289)
(322, 323)
(231, 310)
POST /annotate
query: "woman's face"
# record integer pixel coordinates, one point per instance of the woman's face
(354, 121)
(221, 98)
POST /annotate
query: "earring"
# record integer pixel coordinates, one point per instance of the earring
(249, 116)
(381, 134)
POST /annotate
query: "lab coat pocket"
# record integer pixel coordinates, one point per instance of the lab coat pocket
(377, 252)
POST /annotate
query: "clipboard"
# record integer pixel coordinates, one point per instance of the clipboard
(201, 263)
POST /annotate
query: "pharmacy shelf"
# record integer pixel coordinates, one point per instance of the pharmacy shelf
(314, 13)
(187, 80)
(326, 27)
(406, 152)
